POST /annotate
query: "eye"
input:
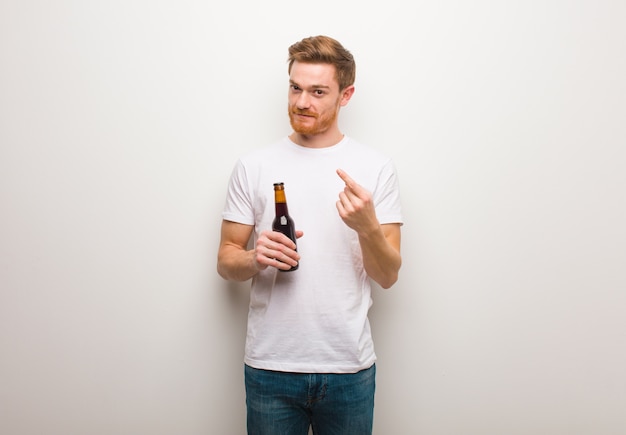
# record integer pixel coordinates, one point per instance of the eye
(319, 92)
(294, 88)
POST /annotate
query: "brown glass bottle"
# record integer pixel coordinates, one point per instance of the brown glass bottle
(283, 222)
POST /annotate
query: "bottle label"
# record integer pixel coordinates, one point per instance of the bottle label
(283, 220)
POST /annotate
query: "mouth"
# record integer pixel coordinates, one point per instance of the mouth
(305, 115)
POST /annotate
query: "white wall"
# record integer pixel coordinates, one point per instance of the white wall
(120, 122)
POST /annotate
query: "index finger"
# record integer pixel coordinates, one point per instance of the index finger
(282, 238)
(346, 178)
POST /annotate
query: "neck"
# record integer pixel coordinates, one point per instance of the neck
(320, 140)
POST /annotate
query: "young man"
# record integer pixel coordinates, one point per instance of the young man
(309, 356)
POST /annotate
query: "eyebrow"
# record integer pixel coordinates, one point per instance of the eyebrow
(312, 86)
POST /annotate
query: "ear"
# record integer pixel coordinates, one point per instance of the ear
(346, 94)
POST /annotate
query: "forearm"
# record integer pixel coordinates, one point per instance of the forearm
(236, 264)
(381, 257)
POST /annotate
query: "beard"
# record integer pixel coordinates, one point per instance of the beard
(321, 123)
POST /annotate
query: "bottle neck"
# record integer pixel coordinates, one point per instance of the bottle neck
(279, 196)
(281, 209)
(280, 203)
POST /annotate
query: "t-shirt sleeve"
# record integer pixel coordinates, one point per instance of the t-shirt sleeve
(238, 207)
(387, 196)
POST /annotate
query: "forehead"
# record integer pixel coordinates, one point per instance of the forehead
(313, 74)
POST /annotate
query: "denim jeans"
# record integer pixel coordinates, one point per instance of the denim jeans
(281, 403)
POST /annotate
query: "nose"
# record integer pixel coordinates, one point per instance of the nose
(303, 101)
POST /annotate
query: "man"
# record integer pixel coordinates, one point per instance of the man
(309, 356)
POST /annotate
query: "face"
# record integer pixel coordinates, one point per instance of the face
(314, 98)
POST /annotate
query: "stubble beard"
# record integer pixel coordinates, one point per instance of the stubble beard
(320, 125)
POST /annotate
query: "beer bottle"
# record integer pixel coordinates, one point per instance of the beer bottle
(283, 222)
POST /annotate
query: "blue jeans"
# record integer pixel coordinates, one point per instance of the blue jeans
(281, 403)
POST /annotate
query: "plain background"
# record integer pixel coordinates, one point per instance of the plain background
(120, 122)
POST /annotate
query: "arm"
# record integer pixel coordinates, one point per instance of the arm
(236, 262)
(381, 254)
(380, 244)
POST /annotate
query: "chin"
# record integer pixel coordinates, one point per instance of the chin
(301, 129)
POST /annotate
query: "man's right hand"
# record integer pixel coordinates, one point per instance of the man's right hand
(277, 250)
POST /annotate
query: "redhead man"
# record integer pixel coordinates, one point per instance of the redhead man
(309, 355)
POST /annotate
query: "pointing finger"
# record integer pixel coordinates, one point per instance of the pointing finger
(352, 186)
(346, 178)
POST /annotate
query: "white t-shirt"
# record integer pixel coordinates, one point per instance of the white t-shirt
(314, 319)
